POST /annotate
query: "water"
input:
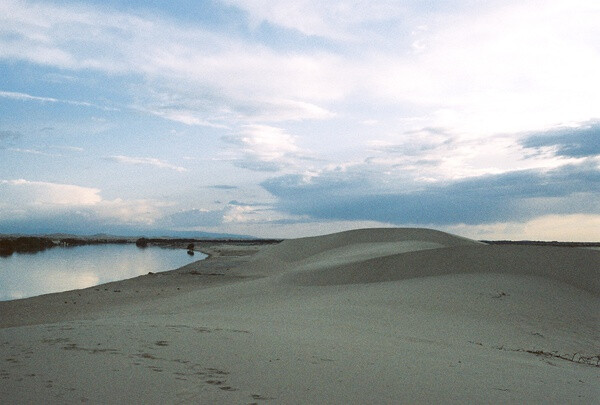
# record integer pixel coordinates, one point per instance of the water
(62, 269)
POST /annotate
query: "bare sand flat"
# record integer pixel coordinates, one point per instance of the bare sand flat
(366, 316)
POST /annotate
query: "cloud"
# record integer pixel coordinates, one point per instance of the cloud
(573, 142)
(35, 206)
(242, 214)
(189, 75)
(232, 213)
(145, 161)
(337, 20)
(277, 110)
(505, 68)
(243, 82)
(512, 196)
(19, 193)
(29, 97)
(137, 212)
(47, 154)
(33, 152)
(76, 221)
(433, 154)
(264, 148)
(68, 148)
(479, 65)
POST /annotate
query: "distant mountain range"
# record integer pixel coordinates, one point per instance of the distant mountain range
(162, 234)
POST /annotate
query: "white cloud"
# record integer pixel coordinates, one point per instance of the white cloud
(145, 161)
(26, 199)
(242, 214)
(68, 148)
(267, 142)
(519, 67)
(437, 154)
(335, 19)
(194, 76)
(500, 67)
(29, 97)
(19, 193)
(24, 96)
(184, 116)
(33, 152)
(264, 148)
(138, 212)
(287, 110)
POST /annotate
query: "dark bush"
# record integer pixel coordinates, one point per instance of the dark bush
(24, 244)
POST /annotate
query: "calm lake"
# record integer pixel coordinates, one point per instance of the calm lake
(63, 269)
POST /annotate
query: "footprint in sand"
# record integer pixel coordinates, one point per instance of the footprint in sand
(214, 382)
(261, 397)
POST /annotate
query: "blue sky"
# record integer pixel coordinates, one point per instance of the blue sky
(293, 118)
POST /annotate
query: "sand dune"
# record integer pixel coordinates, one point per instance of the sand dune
(577, 267)
(366, 316)
(378, 255)
(385, 238)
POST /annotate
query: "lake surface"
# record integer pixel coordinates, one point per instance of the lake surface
(62, 269)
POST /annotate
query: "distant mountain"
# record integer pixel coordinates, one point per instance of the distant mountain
(159, 233)
(194, 235)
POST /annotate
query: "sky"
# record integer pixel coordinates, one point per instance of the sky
(295, 118)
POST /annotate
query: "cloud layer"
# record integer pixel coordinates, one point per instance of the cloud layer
(510, 196)
(578, 142)
(198, 75)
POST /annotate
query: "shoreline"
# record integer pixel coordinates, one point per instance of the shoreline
(209, 248)
(199, 274)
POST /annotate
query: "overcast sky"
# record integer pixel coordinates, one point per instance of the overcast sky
(280, 118)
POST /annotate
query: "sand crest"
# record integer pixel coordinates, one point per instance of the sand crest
(366, 316)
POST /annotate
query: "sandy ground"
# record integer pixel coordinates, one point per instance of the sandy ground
(367, 316)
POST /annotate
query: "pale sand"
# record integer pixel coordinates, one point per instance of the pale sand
(368, 316)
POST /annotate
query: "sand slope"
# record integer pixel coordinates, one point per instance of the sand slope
(367, 316)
